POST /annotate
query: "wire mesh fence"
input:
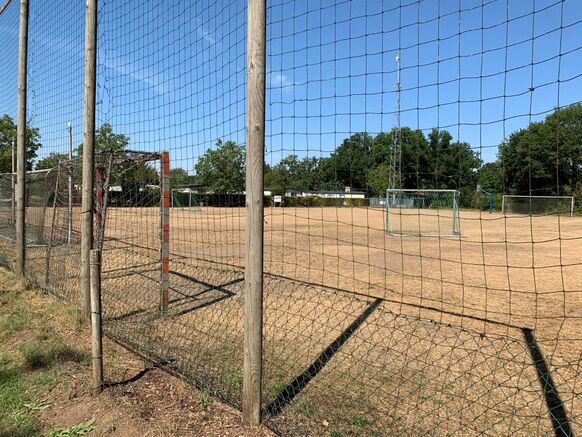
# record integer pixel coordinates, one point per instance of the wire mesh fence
(366, 331)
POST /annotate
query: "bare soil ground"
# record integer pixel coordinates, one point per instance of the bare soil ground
(445, 350)
(45, 344)
(478, 333)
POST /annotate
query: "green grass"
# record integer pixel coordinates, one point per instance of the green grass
(46, 350)
(204, 398)
(79, 429)
(14, 316)
(15, 418)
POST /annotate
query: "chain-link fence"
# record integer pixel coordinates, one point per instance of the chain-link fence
(366, 331)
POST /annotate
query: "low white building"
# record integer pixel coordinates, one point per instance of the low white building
(326, 194)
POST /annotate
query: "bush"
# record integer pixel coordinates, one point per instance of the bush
(312, 201)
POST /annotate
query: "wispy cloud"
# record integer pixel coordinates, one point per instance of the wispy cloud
(203, 32)
(157, 81)
(279, 80)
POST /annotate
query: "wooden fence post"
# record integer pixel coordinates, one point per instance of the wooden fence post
(165, 231)
(21, 142)
(96, 337)
(255, 137)
(88, 153)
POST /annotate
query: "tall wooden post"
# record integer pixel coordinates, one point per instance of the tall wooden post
(70, 211)
(96, 337)
(21, 142)
(88, 153)
(165, 232)
(13, 181)
(255, 135)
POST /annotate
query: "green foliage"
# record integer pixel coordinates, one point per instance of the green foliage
(8, 136)
(106, 141)
(349, 164)
(292, 172)
(312, 201)
(82, 428)
(222, 170)
(234, 379)
(363, 162)
(50, 161)
(545, 157)
(180, 178)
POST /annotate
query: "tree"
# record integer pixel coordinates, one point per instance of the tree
(295, 173)
(350, 163)
(180, 178)
(546, 157)
(222, 170)
(490, 177)
(8, 136)
(107, 141)
(378, 179)
(51, 160)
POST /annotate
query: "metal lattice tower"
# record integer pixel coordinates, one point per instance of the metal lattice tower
(395, 178)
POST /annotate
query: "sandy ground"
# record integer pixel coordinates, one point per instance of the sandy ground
(450, 348)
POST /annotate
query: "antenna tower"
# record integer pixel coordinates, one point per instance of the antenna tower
(395, 178)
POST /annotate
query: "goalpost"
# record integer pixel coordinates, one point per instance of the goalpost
(131, 215)
(185, 199)
(538, 205)
(422, 212)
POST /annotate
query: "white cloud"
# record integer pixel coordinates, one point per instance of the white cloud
(278, 80)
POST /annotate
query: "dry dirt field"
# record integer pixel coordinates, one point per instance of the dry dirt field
(472, 334)
(450, 347)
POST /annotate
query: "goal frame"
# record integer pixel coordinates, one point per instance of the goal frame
(514, 196)
(455, 219)
(190, 206)
(104, 163)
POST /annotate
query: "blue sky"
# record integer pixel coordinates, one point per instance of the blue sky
(171, 74)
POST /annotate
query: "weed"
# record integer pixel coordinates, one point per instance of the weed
(204, 399)
(76, 317)
(234, 379)
(304, 406)
(46, 380)
(361, 420)
(75, 430)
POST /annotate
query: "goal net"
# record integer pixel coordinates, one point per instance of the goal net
(422, 212)
(538, 205)
(185, 199)
(131, 221)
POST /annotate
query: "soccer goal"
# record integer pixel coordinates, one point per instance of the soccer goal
(538, 205)
(422, 212)
(185, 199)
(131, 211)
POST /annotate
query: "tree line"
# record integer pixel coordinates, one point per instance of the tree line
(545, 158)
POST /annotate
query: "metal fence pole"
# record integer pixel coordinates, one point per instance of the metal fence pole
(165, 231)
(88, 153)
(21, 142)
(255, 138)
(96, 337)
